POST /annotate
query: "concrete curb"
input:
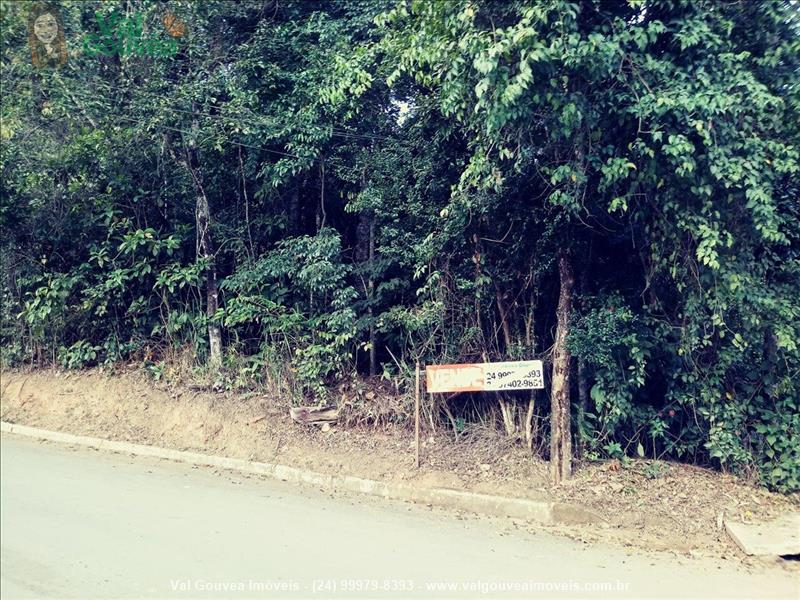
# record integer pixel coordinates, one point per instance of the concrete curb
(541, 512)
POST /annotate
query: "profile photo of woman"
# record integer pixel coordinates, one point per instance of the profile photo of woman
(46, 36)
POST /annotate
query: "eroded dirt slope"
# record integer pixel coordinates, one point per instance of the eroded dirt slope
(665, 506)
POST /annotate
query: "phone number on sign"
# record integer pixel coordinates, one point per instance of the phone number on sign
(362, 585)
(521, 383)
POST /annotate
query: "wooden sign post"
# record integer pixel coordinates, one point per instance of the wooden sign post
(478, 377)
(416, 419)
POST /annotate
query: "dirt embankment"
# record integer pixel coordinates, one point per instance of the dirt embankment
(648, 504)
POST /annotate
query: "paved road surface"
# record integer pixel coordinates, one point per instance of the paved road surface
(78, 523)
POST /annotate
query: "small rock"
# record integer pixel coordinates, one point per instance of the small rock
(326, 427)
(485, 467)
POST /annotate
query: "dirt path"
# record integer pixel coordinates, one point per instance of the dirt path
(664, 507)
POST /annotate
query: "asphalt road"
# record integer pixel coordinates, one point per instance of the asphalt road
(78, 523)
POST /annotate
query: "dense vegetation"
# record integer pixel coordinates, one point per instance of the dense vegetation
(298, 192)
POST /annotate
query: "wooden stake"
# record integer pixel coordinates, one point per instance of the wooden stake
(416, 419)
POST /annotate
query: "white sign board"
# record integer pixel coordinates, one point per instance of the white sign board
(485, 377)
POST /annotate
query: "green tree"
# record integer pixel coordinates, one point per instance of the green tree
(318, 190)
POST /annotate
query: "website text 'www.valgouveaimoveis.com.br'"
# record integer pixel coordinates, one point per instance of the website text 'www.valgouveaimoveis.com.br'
(398, 586)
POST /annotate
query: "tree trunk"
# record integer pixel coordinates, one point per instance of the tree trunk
(321, 214)
(205, 252)
(503, 320)
(373, 362)
(508, 410)
(583, 375)
(251, 247)
(583, 400)
(560, 434)
(530, 344)
(365, 254)
(529, 420)
(294, 226)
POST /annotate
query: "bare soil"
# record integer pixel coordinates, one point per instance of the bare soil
(645, 504)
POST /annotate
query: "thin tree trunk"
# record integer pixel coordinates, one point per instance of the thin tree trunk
(246, 206)
(205, 252)
(530, 433)
(583, 399)
(583, 374)
(294, 211)
(322, 215)
(365, 255)
(503, 320)
(373, 363)
(508, 410)
(529, 420)
(560, 434)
